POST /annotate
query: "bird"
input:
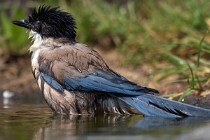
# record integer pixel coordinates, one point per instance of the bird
(75, 80)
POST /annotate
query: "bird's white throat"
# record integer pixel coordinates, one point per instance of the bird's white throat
(35, 48)
(37, 39)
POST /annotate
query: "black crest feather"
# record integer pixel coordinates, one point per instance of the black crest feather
(52, 22)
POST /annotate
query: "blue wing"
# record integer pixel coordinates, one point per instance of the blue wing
(102, 81)
(52, 82)
(81, 69)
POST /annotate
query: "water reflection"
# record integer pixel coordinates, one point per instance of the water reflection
(63, 127)
(26, 118)
(87, 125)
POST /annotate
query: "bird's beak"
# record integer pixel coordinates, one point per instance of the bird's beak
(21, 23)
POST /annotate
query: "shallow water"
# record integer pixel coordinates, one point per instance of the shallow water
(27, 117)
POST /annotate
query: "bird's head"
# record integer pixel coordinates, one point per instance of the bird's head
(50, 22)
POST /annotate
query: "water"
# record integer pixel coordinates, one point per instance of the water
(27, 117)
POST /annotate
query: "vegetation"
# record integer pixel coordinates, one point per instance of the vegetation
(12, 39)
(174, 32)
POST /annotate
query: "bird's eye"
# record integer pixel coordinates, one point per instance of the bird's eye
(37, 26)
(38, 23)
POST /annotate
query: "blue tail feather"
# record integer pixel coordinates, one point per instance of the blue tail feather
(151, 105)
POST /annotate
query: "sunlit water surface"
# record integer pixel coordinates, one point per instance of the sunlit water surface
(27, 117)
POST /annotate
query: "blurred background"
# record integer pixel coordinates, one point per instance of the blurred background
(156, 43)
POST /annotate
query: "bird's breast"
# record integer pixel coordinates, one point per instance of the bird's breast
(34, 63)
